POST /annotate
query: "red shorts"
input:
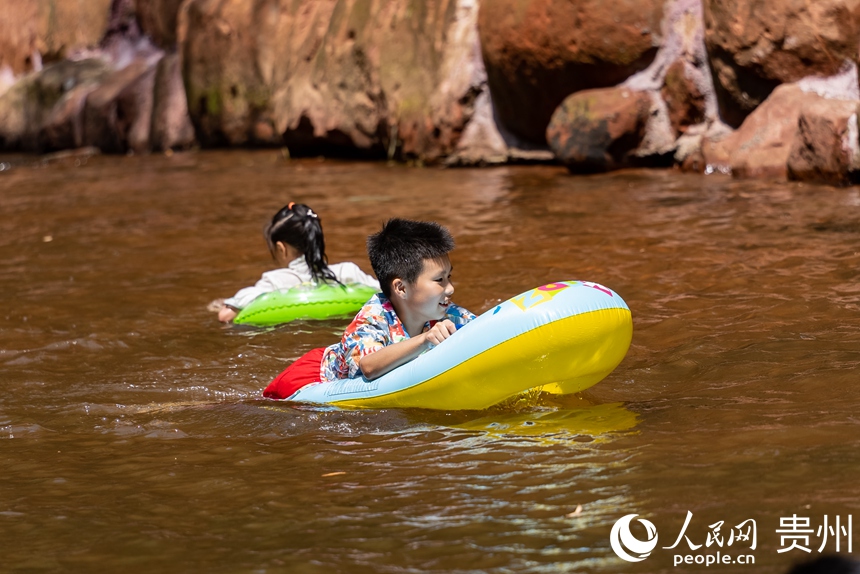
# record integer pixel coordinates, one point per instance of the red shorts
(304, 371)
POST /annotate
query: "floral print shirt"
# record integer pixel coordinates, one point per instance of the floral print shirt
(375, 326)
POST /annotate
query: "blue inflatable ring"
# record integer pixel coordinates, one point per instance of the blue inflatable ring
(560, 338)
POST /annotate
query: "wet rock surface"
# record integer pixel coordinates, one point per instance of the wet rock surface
(747, 87)
(598, 130)
(539, 52)
(756, 45)
(396, 80)
(34, 33)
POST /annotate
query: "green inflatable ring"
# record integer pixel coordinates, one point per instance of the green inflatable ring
(305, 302)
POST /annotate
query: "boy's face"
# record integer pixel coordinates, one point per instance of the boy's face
(428, 298)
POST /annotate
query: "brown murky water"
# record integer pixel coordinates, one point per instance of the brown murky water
(133, 437)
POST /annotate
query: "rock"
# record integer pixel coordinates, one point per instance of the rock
(171, 127)
(599, 130)
(14, 125)
(754, 46)
(683, 96)
(158, 20)
(679, 83)
(103, 101)
(63, 127)
(396, 79)
(537, 52)
(761, 146)
(462, 80)
(714, 155)
(122, 23)
(118, 114)
(688, 151)
(826, 147)
(41, 106)
(485, 142)
(124, 41)
(34, 33)
(482, 143)
(794, 133)
(78, 155)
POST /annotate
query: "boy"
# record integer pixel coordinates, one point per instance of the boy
(413, 312)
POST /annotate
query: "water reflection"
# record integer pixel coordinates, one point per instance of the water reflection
(583, 425)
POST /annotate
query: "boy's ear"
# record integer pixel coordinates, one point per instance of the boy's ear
(398, 288)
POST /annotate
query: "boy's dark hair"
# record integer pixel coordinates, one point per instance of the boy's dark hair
(402, 246)
(296, 224)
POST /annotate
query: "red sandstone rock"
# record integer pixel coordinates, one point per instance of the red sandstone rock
(107, 100)
(715, 152)
(681, 90)
(63, 127)
(118, 114)
(598, 130)
(171, 126)
(40, 112)
(761, 146)
(683, 96)
(537, 52)
(394, 79)
(825, 148)
(158, 20)
(33, 32)
(404, 79)
(795, 134)
(85, 103)
(755, 45)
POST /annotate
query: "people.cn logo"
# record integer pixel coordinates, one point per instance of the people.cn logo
(627, 546)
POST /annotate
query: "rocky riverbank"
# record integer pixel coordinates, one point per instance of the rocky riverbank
(765, 90)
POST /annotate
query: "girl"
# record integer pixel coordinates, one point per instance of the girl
(296, 242)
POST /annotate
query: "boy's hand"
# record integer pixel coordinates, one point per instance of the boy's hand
(388, 358)
(439, 332)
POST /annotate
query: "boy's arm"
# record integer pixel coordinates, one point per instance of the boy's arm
(389, 358)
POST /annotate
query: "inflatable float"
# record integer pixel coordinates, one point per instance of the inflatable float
(561, 338)
(304, 302)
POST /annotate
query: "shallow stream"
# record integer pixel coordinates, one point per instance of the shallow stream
(133, 437)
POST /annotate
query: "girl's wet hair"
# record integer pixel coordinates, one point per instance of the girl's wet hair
(296, 224)
(400, 249)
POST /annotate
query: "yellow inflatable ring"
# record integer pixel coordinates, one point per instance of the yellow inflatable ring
(562, 338)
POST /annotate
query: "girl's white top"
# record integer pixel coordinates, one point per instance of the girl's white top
(294, 275)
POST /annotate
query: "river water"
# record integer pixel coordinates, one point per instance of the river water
(133, 436)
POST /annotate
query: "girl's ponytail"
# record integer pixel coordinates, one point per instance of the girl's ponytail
(314, 248)
(298, 225)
